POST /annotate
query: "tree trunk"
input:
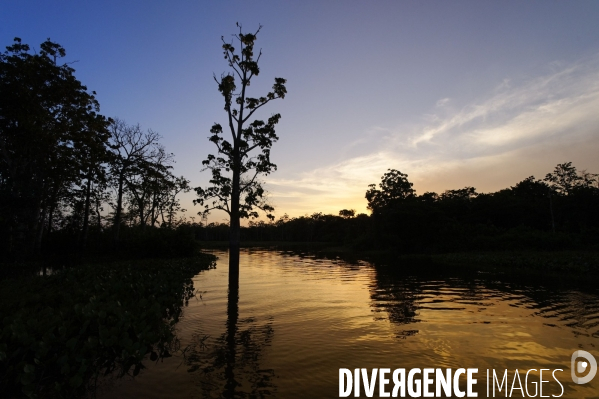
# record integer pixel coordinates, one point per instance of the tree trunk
(86, 211)
(99, 215)
(142, 215)
(51, 216)
(234, 232)
(40, 229)
(52, 208)
(38, 216)
(234, 251)
(170, 215)
(154, 211)
(119, 209)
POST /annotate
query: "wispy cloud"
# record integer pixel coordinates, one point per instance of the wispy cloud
(502, 132)
(443, 102)
(513, 114)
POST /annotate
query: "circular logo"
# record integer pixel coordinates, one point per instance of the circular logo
(582, 365)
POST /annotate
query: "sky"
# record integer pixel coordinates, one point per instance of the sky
(455, 94)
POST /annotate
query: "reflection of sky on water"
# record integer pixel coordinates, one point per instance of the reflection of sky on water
(302, 318)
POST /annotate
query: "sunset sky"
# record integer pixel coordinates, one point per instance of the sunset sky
(453, 93)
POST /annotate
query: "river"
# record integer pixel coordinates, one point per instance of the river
(300, 319)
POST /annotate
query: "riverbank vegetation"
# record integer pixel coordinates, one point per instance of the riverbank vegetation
(556, 213)
(60, 333)
(72, 180)
(96, 264)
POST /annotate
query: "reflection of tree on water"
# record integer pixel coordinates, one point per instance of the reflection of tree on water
(402, 291)
(398, 297)
(229, 367)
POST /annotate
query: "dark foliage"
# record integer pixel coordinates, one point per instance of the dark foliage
(59, 333)
(559, 212)
(63, 167)
(51, 140)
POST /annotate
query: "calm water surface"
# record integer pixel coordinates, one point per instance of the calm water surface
(300, 319)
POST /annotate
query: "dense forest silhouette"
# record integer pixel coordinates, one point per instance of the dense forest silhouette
(78, 188)
(558, 212)
(72, 180)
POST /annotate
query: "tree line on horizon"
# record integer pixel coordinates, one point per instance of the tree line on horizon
(73, 180)
(557, 212)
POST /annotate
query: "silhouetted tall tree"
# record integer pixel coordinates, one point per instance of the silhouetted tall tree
(236, 188)
(565, 179)
(394, 187)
